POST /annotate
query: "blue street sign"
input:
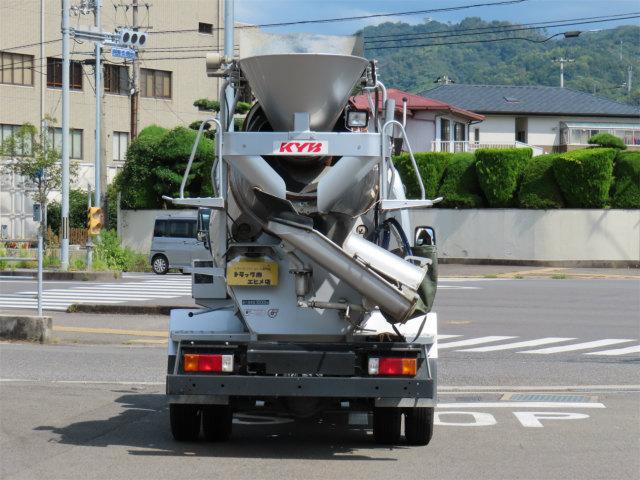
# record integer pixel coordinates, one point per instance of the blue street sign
(127, 53)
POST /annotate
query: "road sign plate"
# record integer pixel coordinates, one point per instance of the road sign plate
(127, 53)
(252, 272)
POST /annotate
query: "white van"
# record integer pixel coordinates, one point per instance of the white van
(175, 242)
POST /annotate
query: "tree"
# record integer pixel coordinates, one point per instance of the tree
(30, 155)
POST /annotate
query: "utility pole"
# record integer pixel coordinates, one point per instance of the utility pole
(43, 64)
(135, 95)
(97, 6)
(629, 78)
(229, 16)
(64, 240)
(562, 61)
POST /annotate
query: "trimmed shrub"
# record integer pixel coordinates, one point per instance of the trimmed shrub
(538, 188)
(626, 185)
(499, 171)
(607, 140)
(460, 187)
(585, 176)
(431, 166)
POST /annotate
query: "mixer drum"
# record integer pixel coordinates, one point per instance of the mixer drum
(321, 87)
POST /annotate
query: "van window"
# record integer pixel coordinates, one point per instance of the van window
(160, 229)
(182, 228)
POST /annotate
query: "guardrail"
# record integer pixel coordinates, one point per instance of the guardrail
(470, 146)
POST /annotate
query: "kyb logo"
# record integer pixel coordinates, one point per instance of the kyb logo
(300, 148)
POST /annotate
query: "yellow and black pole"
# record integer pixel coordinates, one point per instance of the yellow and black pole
(94, 225)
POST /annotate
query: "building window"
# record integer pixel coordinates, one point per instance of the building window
(120, 144)
(8, 131)
(459, 132)
(476, 134)
(54, 73)
(445, 129)
(116, 79)
(205, 28)
(16, 69)
(155, 83)
(75, 136)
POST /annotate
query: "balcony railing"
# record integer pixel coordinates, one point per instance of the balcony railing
(470, 146)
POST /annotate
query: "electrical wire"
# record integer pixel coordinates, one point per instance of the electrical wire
(497, 27)
(506, 29)
(361, 17)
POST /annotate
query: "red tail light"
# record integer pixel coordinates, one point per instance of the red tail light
(197, 362)
(392, 366)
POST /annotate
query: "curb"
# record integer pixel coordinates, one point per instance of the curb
(25, 327)
(126, 309)
(71, 276)
(542, 263)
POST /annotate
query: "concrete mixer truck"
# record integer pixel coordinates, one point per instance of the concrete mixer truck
(318, 291)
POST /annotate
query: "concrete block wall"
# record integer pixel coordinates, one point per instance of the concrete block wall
(589, 236)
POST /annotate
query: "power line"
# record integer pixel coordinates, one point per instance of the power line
(364, 17)
(494, 27)
(486, 40)
(497, 29)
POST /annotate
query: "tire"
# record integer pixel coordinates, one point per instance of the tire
(185, 422)
(217, 421)
(386, 425)
(160, 265)
(418, 425)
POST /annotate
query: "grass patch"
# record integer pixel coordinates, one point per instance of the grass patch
(490, 275)
(559, 276)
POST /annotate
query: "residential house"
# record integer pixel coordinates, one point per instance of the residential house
(551, 118)
(427, 120)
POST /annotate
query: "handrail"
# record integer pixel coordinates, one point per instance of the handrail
(195, 148)
(413, 160)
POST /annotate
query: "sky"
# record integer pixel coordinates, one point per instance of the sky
(274, 11)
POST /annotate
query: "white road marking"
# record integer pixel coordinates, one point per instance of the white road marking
(455, 389)
(532, 419)
(442, 337)
(480, 419)
(520, 405)
(510, 346)
(579, 346)
(617, 351)
(472, 341)
(457, 287)
(102, 293)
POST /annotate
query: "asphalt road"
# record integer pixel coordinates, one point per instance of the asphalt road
(78, 409)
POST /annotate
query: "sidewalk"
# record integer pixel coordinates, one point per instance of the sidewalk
(509, 271)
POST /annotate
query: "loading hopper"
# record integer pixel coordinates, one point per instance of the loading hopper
(319, 84)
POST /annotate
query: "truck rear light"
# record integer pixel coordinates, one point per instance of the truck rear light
(392, 366)
(197, 362)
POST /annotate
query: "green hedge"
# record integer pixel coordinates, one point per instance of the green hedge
(431, 166)
(538, 188)
(460, 187)
(499, 171)
(607, 140)
(585, 176)
(626, 185)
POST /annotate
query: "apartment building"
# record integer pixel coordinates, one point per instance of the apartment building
(172, 76)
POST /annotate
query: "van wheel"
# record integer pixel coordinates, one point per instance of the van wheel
(418, 425)
(160, 264)
(217, 422)
(386, 425)
(185, 422)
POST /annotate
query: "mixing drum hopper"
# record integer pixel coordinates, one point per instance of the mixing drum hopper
(319, 84)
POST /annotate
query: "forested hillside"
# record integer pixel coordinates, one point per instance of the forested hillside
(601, 58)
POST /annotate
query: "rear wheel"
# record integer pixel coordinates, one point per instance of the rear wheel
(160, 264)
(185, 422)
(386, 425)
(418, 425)
(217, 422)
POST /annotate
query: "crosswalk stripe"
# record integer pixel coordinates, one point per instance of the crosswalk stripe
(580, 346)
(511, 346)
(443, 337)
(472, 341)
(617, 351)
